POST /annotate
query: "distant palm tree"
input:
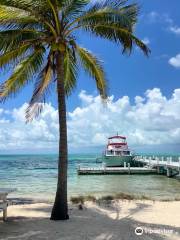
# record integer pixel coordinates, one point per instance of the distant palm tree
(38, 44)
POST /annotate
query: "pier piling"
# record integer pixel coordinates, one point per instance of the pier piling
(129, 168)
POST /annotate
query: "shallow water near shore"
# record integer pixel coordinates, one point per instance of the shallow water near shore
(35, 176)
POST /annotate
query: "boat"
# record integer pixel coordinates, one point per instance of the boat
(117, 153)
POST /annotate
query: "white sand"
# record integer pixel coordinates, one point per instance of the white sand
(105, 222)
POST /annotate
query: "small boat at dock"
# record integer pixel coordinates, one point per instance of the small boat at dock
(117, 153)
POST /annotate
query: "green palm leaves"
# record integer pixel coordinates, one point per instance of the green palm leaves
(33, 31)
(41, 89)
(22, 74)
(70, 70)
(11, 16)
(93, 67)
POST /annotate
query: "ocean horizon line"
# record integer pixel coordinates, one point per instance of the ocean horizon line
(88, 153)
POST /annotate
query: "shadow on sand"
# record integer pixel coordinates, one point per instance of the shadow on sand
(87, 224)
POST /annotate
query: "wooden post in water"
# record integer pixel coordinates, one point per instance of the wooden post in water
(79, 166)
(5, 212)
(149, 162)
(168, 172)
(104, 166)
(129, 168)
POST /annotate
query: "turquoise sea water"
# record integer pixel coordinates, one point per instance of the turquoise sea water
(36, 175)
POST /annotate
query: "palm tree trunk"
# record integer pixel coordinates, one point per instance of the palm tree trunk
(60, 208)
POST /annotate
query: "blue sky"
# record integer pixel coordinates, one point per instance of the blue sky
(133, 75)
(159, 27)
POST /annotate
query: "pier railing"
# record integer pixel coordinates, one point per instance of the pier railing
(159, 161)
(127, 169)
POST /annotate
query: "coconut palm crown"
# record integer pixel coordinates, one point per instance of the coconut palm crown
(38, 43)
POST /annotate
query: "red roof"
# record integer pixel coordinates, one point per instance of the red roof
(114, 137)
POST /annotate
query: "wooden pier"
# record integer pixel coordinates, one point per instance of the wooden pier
(152, 165)
(167, 164)
(114, 170)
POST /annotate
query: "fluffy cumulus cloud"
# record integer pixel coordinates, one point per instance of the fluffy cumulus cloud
(175, 61)
(16, 134)
(152, 119)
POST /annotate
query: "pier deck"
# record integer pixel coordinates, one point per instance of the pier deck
(115, 170)
(171, 167)
(153, 165)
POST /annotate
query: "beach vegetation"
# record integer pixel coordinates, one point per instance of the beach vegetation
(107, 198)
(77, 200)
(82, 199)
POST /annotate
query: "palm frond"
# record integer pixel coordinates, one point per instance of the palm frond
(53, 7)
(23, 73)
(70, 70)
(120, 35)
(19, 4)
(124, 17)
(72, 8)
(108, 12)
(31, 6)
(10, 58)
(14, 39)
(112, 20)
(109, 20)
(21, 13)
(94, 68)
(11, 15)
(41, 91)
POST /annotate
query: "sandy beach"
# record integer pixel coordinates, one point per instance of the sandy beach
(116, 220)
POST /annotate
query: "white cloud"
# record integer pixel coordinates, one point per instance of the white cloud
(154, 17)
(175, 29)
(87, 99)
(16, 134)
(152, 119)
(175, 61)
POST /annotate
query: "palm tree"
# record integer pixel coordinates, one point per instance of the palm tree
(38, 43)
